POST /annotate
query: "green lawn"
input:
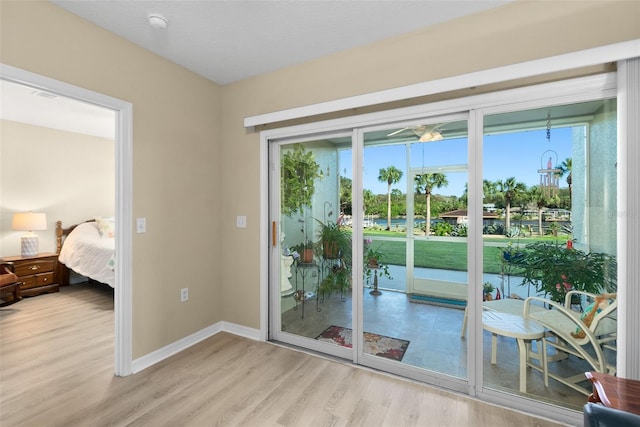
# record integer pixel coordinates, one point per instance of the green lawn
(431, 254)
(444, 255)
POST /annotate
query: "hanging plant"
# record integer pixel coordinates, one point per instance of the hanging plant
(335, 240)
(299, 171)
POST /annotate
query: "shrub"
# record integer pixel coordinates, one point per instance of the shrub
(512, 232)
(460, 230)
(442, 229)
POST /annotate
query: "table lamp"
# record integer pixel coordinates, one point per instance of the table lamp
(29, 222)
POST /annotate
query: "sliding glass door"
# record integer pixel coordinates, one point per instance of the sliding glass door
(415, 252)
(412, 246)
(549, 232)
(311, 240)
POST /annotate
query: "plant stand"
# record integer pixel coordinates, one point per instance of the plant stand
(300, 295)
(375, 292)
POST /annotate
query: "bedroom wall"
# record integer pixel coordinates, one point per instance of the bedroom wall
(518, 32)
(68, 176)
(176, 160)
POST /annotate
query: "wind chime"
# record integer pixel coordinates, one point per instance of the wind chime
(549, 174)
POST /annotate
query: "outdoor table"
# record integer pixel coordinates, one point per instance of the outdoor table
(514, 326)
(505, 305)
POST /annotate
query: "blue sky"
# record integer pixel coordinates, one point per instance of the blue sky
(515, 154)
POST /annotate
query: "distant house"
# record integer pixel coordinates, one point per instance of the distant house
(461, 216)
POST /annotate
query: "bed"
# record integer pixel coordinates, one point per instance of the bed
(88, 249)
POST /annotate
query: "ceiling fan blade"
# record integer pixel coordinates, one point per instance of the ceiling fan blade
(397, 132)
(420, 130)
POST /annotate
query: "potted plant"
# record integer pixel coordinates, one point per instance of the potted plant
(334, 240)
(334, 245)
(487, 291)
(554, 269)
(337, 280)
(305, 252)
(299, 171)
(374, 268)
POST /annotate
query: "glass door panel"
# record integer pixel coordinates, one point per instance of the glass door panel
(405, 170)
(549, 230)
(311, 292)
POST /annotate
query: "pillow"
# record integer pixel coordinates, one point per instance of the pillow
(106, 226)
(601, 302)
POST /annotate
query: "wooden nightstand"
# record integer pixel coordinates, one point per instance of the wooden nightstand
(37, 273)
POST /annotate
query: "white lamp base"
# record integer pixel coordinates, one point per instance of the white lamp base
(30, 246)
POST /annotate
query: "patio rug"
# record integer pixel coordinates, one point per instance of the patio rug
(378, 345)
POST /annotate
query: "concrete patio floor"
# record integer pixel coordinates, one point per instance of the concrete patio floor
(435, 342)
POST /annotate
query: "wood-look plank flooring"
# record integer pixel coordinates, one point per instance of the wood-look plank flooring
(56, 369)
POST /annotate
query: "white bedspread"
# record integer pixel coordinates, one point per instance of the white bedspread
(86, 253)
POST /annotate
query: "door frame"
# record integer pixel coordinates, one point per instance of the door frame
(272, 294)
(124, 196)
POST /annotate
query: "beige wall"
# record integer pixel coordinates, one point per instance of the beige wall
(68, 176)
(518, 32)
(194, 160)
(176, 160)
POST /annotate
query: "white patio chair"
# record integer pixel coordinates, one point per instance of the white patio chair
(561, 321)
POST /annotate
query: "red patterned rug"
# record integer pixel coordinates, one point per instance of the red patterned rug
(378, 345)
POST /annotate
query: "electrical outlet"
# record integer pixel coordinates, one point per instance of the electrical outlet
(184, 294)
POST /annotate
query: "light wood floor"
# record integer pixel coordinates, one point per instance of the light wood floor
(56, 359)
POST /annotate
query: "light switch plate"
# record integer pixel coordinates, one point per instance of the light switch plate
(241, 221)
(141, 225)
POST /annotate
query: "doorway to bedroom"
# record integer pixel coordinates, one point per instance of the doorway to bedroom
(76, 145)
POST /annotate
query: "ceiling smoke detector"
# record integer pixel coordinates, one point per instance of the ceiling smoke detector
(158, 22)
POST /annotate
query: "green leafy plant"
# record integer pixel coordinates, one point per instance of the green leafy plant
(555, 269)
(488, 287)
(487, 290)
(299, 171)
(373, 265)
(305, 251)
(442, 229)
(334, 240)
(337, 280)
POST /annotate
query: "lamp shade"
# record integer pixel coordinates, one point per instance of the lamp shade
(29, 221)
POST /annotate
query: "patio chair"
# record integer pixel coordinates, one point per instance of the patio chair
(568, 332)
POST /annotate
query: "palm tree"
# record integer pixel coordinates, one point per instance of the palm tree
(390, 175)
(565, 169)
(369, 199)
(345, 195)
(539, 198)
(427, 182)
(510, 190)
(489, 190)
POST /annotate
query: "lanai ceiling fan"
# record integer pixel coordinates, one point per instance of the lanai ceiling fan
(425, 133)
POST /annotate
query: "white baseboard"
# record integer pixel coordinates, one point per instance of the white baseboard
(242, 331)
(167, 351)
